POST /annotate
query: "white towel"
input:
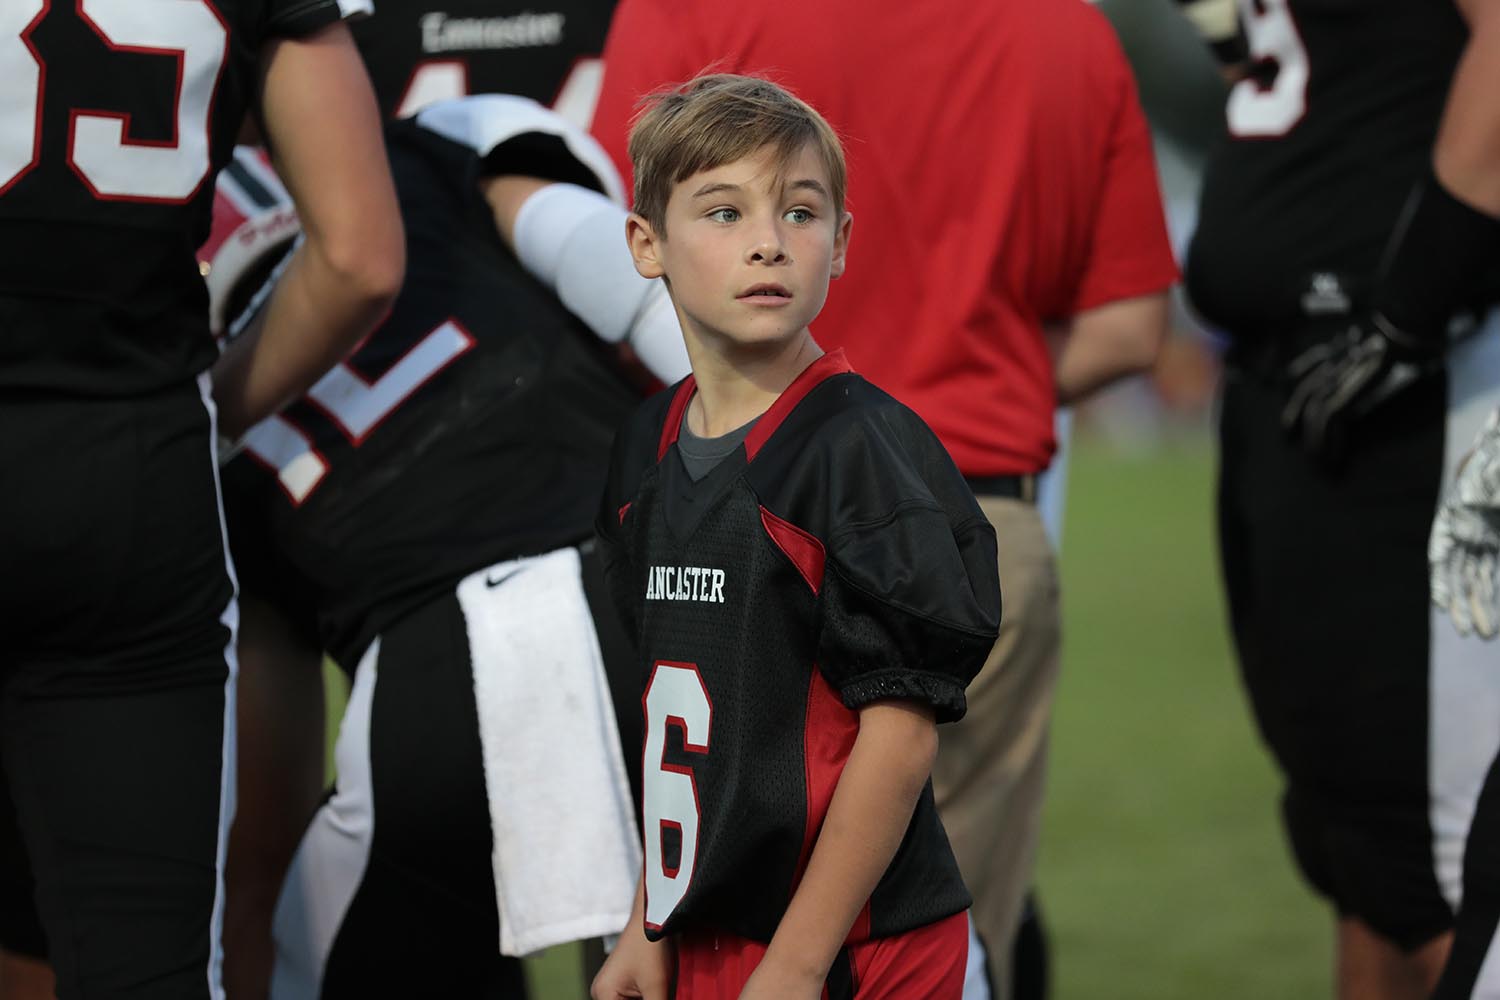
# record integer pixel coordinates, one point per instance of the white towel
(566, 855)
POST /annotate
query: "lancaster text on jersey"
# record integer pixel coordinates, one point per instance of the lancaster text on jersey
(441, 33)
(685, 583)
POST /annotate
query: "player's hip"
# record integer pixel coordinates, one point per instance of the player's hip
(111, 532)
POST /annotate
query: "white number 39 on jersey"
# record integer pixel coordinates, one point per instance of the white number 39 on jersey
(1256, 110)
(114, 166)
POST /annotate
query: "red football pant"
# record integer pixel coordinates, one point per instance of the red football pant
(923, 964)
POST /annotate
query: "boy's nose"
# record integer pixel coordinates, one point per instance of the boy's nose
(767, 250)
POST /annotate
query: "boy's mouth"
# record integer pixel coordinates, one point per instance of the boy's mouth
(766, 291)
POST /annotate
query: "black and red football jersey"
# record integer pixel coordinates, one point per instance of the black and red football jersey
(472, 426)
(836, 558)
(1326, 137)
(115, 118)
(419, 52)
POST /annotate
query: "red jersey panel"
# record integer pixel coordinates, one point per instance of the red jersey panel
(1000, 175)
(835, 559)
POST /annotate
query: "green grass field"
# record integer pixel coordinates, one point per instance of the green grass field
(1164, 874)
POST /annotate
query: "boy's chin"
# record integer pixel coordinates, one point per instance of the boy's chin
(750, 343)
(762, 335)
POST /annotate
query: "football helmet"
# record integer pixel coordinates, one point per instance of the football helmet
(254, 223)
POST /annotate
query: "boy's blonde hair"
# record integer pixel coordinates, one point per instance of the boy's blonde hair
(716, 119)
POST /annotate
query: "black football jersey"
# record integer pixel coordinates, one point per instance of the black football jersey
(472, 426)
(116, 116)
(836, 558)
(419, 52)
(1326, 138)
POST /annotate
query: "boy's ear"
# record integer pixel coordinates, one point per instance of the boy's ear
(643, 242)
(841, 245)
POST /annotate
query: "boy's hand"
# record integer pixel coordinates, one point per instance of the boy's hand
(772, 981)
(636, 968)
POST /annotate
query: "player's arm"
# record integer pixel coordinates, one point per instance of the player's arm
(1447, 235)
(868, 815)
(1116, 319)
(1464, 549)
(1466, 158)
(324, 132)
(637, 967)
(573, 241)
(1106, 343)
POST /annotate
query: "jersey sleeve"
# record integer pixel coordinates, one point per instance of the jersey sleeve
(299, 18)
(911, 591)
(1129, 251)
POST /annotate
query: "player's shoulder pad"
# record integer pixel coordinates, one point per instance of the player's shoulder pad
(852, 453)
(518, 135)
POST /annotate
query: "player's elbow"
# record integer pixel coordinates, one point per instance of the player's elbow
(1134, 331)
(368, 262)
(1107, 343)
(922, 751)
(906, 734)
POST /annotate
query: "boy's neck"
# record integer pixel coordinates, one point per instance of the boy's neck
(735, 385)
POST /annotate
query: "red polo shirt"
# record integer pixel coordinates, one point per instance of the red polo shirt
(1000, 176)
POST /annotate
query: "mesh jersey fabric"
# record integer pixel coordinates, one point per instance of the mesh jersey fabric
(848, 563)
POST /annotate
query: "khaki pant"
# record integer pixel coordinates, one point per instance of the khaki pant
(990, 766)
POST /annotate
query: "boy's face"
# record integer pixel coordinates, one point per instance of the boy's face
(749, 249)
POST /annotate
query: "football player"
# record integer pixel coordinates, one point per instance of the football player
(117, 682)
(1349, 230)
(421, 515)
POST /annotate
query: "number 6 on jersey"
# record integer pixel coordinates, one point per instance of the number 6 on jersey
(675, 696)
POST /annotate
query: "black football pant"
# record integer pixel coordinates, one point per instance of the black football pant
(116, 680)
(1326, 577)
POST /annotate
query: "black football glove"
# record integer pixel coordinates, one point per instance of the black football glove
(1336, 383)
(1432, 268)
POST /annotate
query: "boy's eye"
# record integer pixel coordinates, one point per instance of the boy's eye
(799, 216)
(724, 215)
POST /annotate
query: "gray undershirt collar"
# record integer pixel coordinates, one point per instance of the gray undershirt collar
(701, 455)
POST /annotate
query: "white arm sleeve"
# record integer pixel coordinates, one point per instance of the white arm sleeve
(573, 240)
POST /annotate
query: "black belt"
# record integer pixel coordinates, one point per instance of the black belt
(1015, 487)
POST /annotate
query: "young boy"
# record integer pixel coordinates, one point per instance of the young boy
(811, 584)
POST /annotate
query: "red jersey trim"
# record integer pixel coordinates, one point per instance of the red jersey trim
(831, 364)
(861, 929)
(673, 424)
(828, 734)
(804, 550)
